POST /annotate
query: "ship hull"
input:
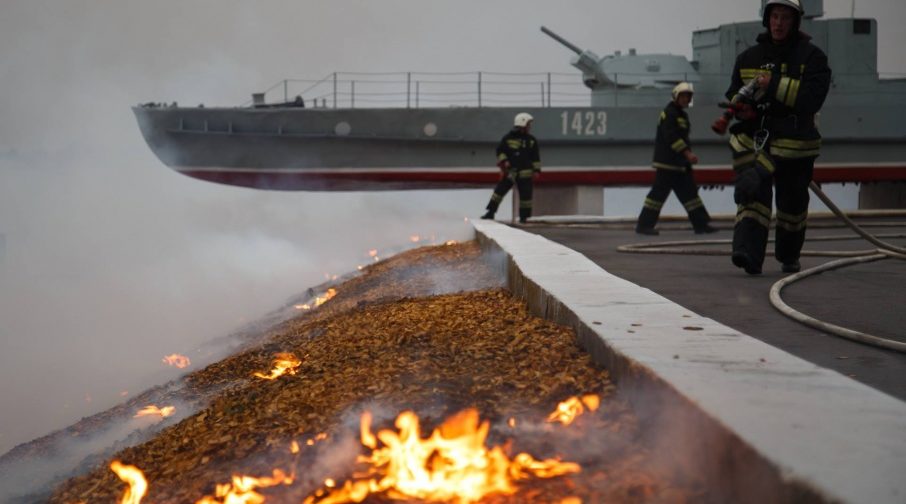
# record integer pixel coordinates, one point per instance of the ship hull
(394, 149)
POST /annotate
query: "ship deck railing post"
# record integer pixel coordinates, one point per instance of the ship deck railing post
(409, 88)
(352, 94)
(285, 91)
(616, 90)
(542, 94)
(479, 89)
(416, 93)
(334, 90)
(548, 89)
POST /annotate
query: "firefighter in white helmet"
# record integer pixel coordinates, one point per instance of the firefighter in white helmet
(673, 160)
(776, 146)
(520, 163)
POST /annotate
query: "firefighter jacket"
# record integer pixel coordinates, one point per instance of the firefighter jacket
(672, 139)
(800, 80)
(521, 150)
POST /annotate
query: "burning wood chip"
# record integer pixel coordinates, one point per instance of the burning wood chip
(428, 331)
(284, 363)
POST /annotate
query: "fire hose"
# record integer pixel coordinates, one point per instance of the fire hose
(883, 251)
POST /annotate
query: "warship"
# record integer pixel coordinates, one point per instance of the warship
(321, 139)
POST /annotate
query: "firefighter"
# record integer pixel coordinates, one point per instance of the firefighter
(673, 160)
(519, 160)
(775, 142)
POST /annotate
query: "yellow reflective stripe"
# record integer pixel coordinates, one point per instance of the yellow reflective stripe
(496, 198)
(792, 143)
(526, 173)
(536, 165)
(682, 123)
(766, 162)
(793, 149)
(750, 214)
(742, 142)
(782, 89)
(747, 74)
(665, 166)
(693, 204)
(679, 145)
(514, 144)
(501, 157)
(792, 222)
(756, 211)
(662, 116)
(783, 69)
(793, 153)
(793, 93)
(743, 160)
(653, 204)
(525, 204)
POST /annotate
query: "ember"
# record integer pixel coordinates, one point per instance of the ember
(152, 410)
(283, 363)
(568, 410)
(133, 477)
(180, 361)
(452, 464)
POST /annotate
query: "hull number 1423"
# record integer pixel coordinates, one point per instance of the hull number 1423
(583, 123)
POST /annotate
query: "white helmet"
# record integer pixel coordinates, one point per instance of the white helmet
(683, 87)
(523, 119)
(796, 5)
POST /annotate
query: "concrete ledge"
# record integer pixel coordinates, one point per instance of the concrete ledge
(761, 424)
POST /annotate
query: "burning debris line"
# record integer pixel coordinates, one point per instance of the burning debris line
(472, 365)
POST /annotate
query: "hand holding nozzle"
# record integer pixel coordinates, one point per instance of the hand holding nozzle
(741, 106)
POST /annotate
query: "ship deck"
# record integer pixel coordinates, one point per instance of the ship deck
(866, 297)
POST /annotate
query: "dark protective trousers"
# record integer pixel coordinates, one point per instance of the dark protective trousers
(750, 235)
(523, 181)
(682, 183)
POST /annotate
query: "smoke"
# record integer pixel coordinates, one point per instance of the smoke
(109, 260)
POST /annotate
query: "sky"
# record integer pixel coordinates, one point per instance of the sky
(109, 260)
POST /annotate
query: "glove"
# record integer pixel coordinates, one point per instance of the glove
(504, 165)
(745, 111)
(748, 182)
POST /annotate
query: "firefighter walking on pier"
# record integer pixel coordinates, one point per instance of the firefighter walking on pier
(775, 143)
(519, 160)
(673, 160)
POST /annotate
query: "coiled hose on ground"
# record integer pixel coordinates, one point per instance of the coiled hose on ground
(883, 251)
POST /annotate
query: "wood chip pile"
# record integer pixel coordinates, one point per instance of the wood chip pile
(398, 337)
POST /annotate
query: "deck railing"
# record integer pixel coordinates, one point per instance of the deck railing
(453, 89)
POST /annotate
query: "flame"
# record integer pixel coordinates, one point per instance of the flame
(242, 489)
(283, 363)
(568, 410)
(180, 361)
(302, 307)
(450, 242)
(294, 447)
(133, 477)
(415, 238)
(327, 296)
(154, 410)
(451, 465)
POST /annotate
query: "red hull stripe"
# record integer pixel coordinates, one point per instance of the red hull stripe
(377, 179)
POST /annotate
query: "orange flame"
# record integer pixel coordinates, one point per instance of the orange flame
(133, 477)
(568, 410)
(415, 238)
(451, 465)
(154, 410)
(180, 361)
(327, 296)
(450, 242)
(283, 363)
(242, 489)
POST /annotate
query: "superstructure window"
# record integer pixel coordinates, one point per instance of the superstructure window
(862, 26)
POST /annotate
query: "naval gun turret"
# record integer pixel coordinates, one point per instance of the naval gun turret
(630, 80)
